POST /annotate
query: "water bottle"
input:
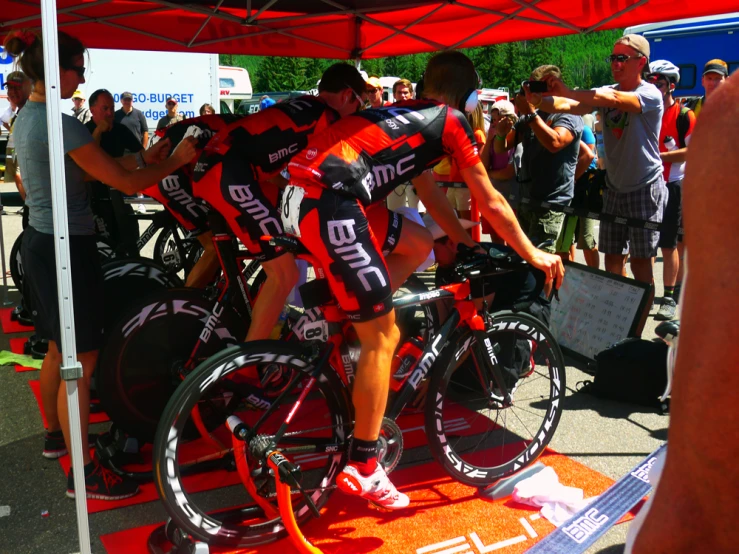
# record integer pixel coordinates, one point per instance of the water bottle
(670, 144)
(404, 361)
(277, 329)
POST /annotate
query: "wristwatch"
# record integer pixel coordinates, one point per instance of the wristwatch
(528, 118)
(140, 162)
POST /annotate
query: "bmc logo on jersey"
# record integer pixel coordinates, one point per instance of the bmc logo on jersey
(242, 195)
(341, 234)
(283, 153)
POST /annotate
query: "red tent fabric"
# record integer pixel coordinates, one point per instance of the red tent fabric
(343, 29)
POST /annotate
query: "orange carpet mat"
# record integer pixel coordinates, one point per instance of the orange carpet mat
(445, 517)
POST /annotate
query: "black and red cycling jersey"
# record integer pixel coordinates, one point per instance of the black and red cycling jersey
(233, 175)
(269, 138)
(175, 190)
(366, 155)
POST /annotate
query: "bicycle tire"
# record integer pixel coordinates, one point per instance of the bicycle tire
(458, 417)
(105, 251)
(16, 264)
(140, 364)
(166, 252)
(208, 381)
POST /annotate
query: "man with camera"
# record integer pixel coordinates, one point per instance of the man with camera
(551, 144)
(631, 112)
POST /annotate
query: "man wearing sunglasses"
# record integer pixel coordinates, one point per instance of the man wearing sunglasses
(172, 117)
(133, 119)
(631, 112)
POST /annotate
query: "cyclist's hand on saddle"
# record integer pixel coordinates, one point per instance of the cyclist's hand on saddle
(185, 150)
(551, 265)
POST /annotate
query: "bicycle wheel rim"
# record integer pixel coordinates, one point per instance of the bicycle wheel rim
(248, 526)
(471, 435)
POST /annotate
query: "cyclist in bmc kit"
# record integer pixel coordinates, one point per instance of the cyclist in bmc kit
(175, 191)
(353, 166)
(239, 172)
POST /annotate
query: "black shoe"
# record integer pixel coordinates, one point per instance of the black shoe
(55, 447)
(103, 484)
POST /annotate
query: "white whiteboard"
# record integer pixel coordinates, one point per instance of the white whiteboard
(595, 309)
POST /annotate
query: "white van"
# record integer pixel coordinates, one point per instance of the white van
(234, 85)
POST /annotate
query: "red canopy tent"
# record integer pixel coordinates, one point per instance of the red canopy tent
(343, 29)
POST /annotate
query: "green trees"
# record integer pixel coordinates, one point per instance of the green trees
(581, 58)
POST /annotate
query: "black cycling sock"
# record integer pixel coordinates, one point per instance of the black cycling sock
(54, 434)
(669, 292)
(678, 287)
(363, 455)
(89, 468)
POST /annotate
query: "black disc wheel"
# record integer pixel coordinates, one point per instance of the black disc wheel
(127, 281)
(146, 353)
(316, 440)
(476, 437)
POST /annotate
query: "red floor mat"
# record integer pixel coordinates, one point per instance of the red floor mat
(11, 326)
(445, 516)
(16, 347)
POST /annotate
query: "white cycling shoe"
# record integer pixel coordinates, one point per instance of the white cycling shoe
(377, 488)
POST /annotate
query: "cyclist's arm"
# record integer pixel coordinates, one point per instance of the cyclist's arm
(440, 209)
(497, 211)
(697, 492)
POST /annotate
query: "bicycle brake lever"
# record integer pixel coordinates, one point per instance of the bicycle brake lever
(554, 294)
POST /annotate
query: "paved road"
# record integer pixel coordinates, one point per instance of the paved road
(606, 436)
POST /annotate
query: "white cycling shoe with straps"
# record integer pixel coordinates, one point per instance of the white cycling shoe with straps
(377, 488)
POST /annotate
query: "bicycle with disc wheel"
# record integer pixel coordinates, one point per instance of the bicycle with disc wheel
(294, 400)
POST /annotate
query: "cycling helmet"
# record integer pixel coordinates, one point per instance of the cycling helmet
(665, 68)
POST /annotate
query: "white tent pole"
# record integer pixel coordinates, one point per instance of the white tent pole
(71, 369)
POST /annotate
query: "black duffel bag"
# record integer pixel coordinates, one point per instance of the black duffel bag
(632, 370)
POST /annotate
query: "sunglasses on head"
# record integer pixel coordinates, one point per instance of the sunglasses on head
(621, 58)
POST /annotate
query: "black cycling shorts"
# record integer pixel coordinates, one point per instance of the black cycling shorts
(350, 245)
(40, 288)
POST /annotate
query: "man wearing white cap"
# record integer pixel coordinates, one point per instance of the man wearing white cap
(80, 111)
(631, 112)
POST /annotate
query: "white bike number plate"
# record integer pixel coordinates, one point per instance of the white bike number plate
(316, 330)
(291, 200)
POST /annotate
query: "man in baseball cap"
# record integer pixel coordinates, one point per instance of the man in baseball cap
(80, 111)
(19, 88)
(374, 91)
(715, 73)
(133, 119)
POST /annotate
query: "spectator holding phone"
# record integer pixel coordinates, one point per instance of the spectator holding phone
(631, 112)
(551, 144)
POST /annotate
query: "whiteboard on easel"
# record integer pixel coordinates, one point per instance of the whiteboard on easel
(596, 309)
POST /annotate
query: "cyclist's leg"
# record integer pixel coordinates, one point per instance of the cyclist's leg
(282, 276)
(232, 188)
(405, 244)
(336, 231)
(205, 268)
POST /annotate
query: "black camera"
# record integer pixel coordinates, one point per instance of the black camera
(535, 86)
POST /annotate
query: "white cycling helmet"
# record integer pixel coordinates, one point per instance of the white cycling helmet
(665, 68)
